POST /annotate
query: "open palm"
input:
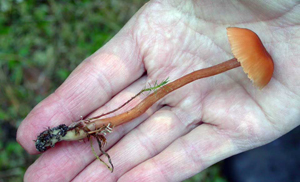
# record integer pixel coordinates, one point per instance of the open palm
(191, 128)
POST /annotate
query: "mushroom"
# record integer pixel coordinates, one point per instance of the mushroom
(251, 53)
(248, 51)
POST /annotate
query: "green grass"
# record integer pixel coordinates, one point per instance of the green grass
(41, 42)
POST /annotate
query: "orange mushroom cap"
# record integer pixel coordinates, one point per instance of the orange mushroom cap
(248, 49)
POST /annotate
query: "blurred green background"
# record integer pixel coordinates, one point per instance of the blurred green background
(41, 42)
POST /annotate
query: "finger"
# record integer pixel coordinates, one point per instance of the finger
(187, 156)
(91, 84)
(67, 159)
(140, 144)
(81, 152)
(147, 140)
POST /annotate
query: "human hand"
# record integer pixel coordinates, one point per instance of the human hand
(191, 128)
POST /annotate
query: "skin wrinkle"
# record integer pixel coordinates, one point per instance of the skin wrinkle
(196, 123)
(174, 103)
(194, 56)
(282, 84)
(251, 142)
(190, 157)
(43, 167)
(72, 159)
(94, 176)
(60, 177)
(39, 172)
(151, 150)
(106, 108)
(62, 104)
(108, 177)
(198, 17)
(179, 120)
(213, 42)
(87, 164)
(275, 78)
(131, 59)
(120, 131)
(125, 108)
(282, 15)
(150, 27)
(240, 22)
(261, 109)
(123, 97)
(37, 111)
(156, 33)
(161, 170)
(188, 13)
(187, 69)
(51, 118)
(161, 25)
(172, 71)
(138, 38)
(29, 125)
(149, 65)
(278, 128)
(176, 109)
(204, 103)
(159, 73)
(139, 56)
(100, 78)
(72, 149)
(196, 31)
(95, 144)
(116, 102)
(277, 40)
(216, 128)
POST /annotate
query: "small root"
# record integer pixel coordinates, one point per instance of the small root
(111, 167)
(99, 134)
(101, 145)
(102, 130)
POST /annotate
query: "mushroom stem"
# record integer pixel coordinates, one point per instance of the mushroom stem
(163, 91)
